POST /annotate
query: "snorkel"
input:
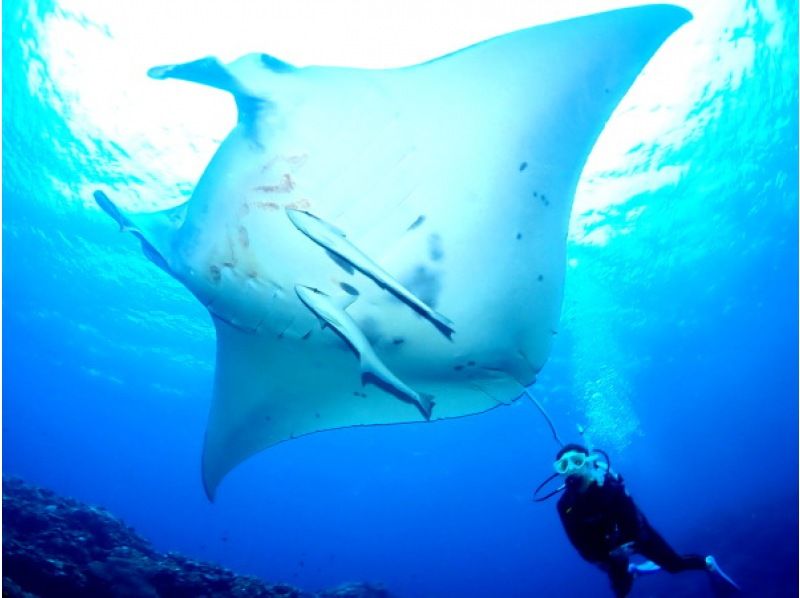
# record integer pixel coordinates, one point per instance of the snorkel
(578, 465)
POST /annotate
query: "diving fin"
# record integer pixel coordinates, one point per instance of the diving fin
(721, 583)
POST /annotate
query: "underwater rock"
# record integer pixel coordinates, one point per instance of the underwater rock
(59, 547)
(356, 590)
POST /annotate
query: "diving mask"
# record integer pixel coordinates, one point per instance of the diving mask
(572, 462)
(576, 465)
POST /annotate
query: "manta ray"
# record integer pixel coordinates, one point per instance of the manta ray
(385, 246)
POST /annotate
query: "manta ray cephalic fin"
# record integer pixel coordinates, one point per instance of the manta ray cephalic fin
(236, 78)
(335, 243)
(154, 230)
(372, 368)
(208, 71)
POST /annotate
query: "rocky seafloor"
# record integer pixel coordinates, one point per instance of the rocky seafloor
(58, 547)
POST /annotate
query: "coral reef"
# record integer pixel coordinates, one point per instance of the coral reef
(58, 547)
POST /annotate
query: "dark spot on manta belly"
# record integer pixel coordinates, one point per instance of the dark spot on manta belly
(542, 198)
(398, 341)
(523, 166)
(244, 237)
(425, 284)
(420, 219)
(540, 278)
(350, 290)
(458, 368)
(435, 250)
(216, 275)
(519, 236)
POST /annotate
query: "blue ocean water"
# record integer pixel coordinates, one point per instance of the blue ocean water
(678, 348)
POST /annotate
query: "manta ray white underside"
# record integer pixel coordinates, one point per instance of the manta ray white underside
(384, 246)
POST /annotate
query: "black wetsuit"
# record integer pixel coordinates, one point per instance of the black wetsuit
(602, 518)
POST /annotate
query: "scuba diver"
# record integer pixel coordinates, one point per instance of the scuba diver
(606, 527)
